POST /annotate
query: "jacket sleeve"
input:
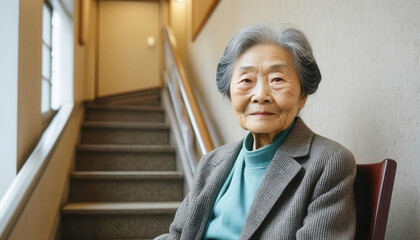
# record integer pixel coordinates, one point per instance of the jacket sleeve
(331, 213)
(176, 227)
(183, 213)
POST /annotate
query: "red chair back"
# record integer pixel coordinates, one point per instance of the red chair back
(373, 191)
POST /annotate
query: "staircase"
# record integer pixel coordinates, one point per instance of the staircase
(125, 184)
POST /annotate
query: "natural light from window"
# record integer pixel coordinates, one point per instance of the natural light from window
(57, 54)
(46, 57)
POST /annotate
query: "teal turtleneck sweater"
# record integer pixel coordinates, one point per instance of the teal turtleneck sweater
(237, 193)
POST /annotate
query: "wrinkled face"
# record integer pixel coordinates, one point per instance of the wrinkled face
(265, 89)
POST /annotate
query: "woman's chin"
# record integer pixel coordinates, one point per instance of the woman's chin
(263, 127)
(263, 130)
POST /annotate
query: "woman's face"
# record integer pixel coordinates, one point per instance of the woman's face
(265, 90)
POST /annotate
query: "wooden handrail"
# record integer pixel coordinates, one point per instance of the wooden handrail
(196, 117)
(201, 18)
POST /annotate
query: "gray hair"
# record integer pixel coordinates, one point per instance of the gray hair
(289, 38)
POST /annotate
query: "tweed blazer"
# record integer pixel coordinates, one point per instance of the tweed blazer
(306, 193)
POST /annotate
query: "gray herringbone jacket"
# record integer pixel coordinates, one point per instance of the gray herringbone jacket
(306, 193)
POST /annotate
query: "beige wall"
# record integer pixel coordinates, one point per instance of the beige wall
(126, 62)
(368, 53)
(179, 24)
(29, 77)
(90, 55)
(84, 55)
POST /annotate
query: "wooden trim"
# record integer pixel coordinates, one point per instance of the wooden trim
(97, 29)
(203, 19)
(83, 16)
(197, 117)
(81, 19)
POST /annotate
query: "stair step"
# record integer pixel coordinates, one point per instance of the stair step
(126, 186)
(124, 133)
(127, 175)
(123, 107)
(124, 125)
(152, 100)
(139, 101)
(155, 92)
(127, 113)
(97, 208)
(144, 220)
(126, 148)
(91, 157)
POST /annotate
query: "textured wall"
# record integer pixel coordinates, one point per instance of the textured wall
(368, 53)
(29, 75)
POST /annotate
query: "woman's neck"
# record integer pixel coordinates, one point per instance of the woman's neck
(262, 139)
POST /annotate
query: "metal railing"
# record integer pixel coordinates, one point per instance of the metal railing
(186, 112)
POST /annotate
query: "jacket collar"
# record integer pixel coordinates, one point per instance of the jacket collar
(298, 142)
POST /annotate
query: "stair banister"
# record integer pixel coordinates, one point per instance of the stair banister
(195, 115)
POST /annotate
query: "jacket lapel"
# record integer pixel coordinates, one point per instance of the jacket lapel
(219, 169)
(279, 174)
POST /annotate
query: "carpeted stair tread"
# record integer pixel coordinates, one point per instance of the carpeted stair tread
(152, 100)
(124, 125)
(146, 133)
(127, 175)
(149, 93)
(126, 113)
(124, 107)
(126, 186)
(92, 208)
(125, 148)
(125, 157)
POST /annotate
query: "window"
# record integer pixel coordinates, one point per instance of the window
(46, 58)
(57, 58)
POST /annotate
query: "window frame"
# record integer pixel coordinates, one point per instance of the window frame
(49, 113)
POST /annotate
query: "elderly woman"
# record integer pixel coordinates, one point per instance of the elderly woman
(282, 181)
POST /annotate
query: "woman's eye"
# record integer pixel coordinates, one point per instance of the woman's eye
(277, 79)
(246, 80)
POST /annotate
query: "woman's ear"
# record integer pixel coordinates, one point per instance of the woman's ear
(302, 100)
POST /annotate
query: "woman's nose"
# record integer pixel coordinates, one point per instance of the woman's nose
(262, 92)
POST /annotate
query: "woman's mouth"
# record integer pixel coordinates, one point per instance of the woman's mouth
(262, 114)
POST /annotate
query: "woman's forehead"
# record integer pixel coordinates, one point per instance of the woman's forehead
(266, 56)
